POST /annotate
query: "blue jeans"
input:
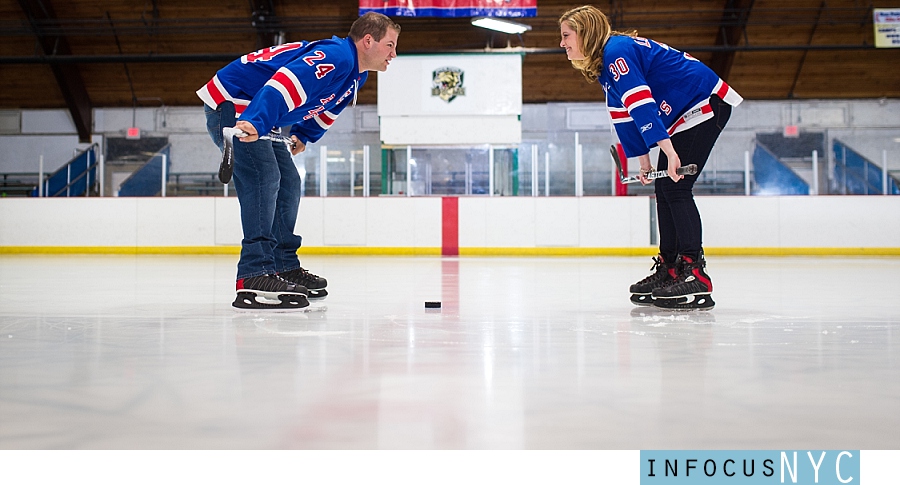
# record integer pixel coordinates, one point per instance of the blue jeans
(268, 189)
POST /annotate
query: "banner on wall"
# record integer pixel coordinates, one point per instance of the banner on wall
(450, 8)
(887, 27)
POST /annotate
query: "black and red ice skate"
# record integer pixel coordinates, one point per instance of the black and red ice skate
(663, 274)
(269, 293)
(690, 289)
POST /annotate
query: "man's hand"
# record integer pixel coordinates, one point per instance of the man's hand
(246, 127)
(299, 147)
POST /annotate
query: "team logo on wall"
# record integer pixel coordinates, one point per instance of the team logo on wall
(447, 83)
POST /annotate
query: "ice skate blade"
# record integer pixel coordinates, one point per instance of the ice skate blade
(642, 299)
(247, 301)
(317, 295)
(273, 309)
(701, 302)
(656, 316)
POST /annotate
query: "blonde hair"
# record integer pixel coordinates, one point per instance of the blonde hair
(593, 30)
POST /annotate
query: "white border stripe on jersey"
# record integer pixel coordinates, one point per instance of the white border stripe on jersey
(322, 123)
(290, 75)
(641, 103)
(731, 96)
(630, 92)
(285, 92)
(616, 120)
(221, 88)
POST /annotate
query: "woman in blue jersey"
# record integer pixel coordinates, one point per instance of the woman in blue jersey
(657, 96)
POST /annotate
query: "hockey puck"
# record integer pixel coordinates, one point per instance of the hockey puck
(432, 304)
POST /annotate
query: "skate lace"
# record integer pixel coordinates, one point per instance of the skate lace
(270, 282)
(304, 277)
(659, 271)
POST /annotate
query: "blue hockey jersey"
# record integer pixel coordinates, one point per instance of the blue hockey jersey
(654, 91)
(302, 84)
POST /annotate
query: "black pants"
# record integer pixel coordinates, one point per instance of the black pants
(680, 229)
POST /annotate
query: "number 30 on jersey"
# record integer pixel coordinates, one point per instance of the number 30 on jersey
(618, 68)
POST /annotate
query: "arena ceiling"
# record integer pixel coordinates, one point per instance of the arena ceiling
(85, 54)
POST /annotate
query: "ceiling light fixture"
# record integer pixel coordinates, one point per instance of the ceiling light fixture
(500, 25)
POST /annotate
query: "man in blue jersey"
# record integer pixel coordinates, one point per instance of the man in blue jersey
(658, 96)
(304, 85)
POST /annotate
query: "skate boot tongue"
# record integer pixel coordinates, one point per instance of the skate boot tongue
(673, 272)
(662, 274)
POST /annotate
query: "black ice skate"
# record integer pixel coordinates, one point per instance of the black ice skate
(690, 290)
(270, 293)
(314, 283)
(663, 274)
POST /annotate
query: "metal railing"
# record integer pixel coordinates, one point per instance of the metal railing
(774, 177)
(854, 174)
(150, 179)
(74, 179)
(536, 168)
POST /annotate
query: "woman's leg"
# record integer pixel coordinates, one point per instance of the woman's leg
(680, 226)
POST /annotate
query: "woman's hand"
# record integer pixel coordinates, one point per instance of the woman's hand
(644, 160)
(674, 159)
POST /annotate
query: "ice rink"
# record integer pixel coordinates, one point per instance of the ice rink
(145, 352)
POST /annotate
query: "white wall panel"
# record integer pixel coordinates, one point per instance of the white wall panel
(492, 82)
(484, 222)
(740, 221)
(832, 222)
(404, 222)
(510, 222)
(473, 221)
(344, 221)
(68, 222)
(614, 222)
(181, 221)
(311, 221)
(487, 109)
(556, 221)
(429, 222)
(228, 221)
